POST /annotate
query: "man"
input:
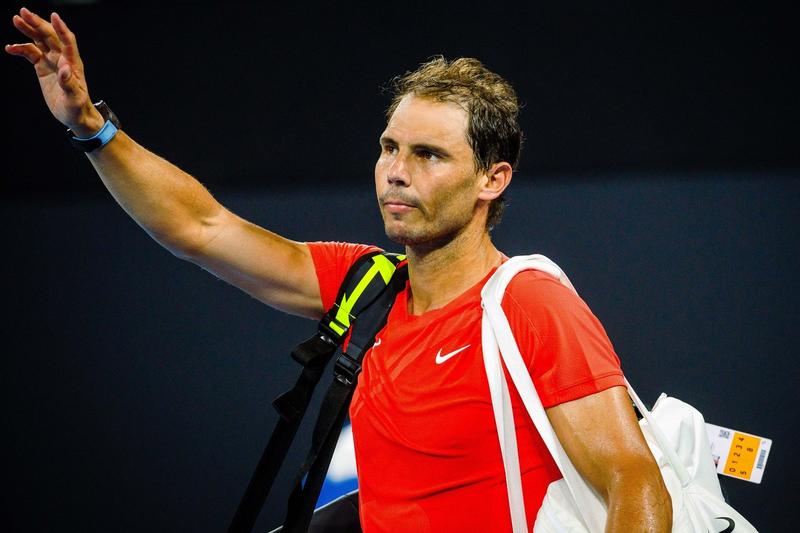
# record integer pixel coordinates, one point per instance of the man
(427, 454)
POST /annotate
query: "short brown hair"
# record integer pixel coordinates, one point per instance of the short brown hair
(489, 100)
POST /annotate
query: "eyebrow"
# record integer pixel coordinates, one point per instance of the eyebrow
(417, 146)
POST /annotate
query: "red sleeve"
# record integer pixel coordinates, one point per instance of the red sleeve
(566, 348)
(332, 260)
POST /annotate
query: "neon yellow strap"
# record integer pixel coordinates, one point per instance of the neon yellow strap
(381, 265)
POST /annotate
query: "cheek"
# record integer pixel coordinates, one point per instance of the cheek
(460, 196)
(380, 172)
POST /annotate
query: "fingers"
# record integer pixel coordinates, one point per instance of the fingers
(53, 36)
(28, 31)
(37, 29)
(69, 45)
(25, 28)
(29, 51)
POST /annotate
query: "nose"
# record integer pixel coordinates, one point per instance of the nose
(397, 173)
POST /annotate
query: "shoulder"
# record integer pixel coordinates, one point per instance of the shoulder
(538, 301)
(533, 291)
(565, 346)
(337, 256)
(338, 250)
(332, 260)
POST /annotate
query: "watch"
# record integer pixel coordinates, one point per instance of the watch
(102, 137)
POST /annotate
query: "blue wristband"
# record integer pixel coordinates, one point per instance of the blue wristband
(102, 137)
(105, 134)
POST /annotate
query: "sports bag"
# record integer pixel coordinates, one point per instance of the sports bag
(674, 431)
(362, 305)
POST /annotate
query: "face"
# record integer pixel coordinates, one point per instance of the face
(425, 177)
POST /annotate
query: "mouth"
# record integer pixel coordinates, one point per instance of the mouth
(396, 205)
(397, 208)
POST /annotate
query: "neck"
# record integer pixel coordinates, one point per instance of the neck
(438, 275)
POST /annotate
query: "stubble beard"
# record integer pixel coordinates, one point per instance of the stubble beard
(427, 234)
(427, 231)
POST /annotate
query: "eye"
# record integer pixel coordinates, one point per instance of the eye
(388, 148)
(427, 154)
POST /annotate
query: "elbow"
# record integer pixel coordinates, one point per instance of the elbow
(180, 246)
(659, 501)
(191, 240)
(639, 497)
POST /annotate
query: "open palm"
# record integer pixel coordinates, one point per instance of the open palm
(58, 66)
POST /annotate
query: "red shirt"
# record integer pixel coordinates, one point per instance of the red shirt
(426, 445)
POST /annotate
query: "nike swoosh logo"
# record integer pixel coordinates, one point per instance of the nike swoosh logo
(731, 524)
(442, 358)
(377, 343)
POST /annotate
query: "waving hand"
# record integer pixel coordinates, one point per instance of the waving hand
(171, 205)
(55, 58)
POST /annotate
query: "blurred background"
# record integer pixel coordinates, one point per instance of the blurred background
(660, 170)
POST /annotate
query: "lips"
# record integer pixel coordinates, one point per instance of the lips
(398, 205)
(397, 202)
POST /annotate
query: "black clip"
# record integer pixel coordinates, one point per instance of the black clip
(346, 370)
(328, 332)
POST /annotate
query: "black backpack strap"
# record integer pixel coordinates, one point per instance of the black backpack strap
(365, 283)
(290, 406)
(333, 412)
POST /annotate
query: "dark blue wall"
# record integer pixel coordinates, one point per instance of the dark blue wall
(137, 387)
(247, 91)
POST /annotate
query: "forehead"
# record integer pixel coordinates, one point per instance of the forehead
(422, 120)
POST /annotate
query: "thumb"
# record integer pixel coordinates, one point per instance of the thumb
(66, 79)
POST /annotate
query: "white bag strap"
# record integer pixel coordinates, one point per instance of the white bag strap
(663, 443)
(497, 340)
(497, 334)
(504, 420)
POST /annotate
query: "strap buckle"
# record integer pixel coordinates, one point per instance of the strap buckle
(346, 370)
(332, 328)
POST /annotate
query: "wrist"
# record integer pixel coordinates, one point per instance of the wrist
(90, 125)
(95, 133)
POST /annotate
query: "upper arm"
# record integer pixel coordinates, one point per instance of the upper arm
(602, 438)
(567, 350)
(578, 378)
(278, 271)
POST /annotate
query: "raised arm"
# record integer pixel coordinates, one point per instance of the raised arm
(172, 206)
(603, 440)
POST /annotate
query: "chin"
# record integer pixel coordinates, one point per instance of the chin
(400, 237)
(421, 239)
(400, 234)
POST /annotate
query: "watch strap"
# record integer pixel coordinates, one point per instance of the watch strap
(103, 136)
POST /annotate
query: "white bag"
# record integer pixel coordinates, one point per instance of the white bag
(674, 430)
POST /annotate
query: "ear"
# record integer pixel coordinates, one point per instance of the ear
(495, 180)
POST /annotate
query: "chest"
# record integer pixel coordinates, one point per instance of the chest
(424, 383)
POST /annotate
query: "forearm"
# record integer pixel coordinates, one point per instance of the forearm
(172, 206)
(639, 502)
